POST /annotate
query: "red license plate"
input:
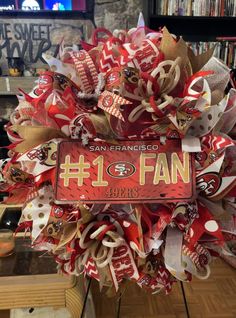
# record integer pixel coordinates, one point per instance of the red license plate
(124, 172)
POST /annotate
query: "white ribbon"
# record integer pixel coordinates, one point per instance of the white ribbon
(101, 251)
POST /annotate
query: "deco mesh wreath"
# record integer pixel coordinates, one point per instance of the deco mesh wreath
(122, 157)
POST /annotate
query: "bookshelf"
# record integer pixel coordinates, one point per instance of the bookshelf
(199, 31)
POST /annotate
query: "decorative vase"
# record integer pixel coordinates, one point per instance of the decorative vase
(16, 66)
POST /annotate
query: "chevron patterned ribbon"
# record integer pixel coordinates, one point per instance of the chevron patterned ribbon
(111, 103)
(86, 69)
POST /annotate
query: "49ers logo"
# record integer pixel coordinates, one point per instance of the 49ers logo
(113, 78)
(121, 169)
(81, 56)
(45, 81)
(208, 184)
(107, 101)
(46, 154)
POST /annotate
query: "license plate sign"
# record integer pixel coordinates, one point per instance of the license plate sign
(124, 172)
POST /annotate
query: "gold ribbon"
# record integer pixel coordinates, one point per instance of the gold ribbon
(34, 135)
(69, 232)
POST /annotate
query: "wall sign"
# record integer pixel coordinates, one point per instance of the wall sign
(128, 172)
(30, 38)
(29, 34)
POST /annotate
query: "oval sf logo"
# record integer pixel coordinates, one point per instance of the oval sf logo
(121, 169)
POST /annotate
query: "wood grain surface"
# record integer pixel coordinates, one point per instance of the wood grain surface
(215, 297)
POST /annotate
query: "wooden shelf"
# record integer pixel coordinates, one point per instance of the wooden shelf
(10, 85)
(192, 28)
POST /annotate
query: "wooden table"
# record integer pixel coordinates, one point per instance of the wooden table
(50, 290)
(29, 280)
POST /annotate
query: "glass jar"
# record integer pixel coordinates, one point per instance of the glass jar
(7, 242)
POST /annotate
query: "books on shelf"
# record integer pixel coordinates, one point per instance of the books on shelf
(224, 50)
(213, 8)
(225, 47)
